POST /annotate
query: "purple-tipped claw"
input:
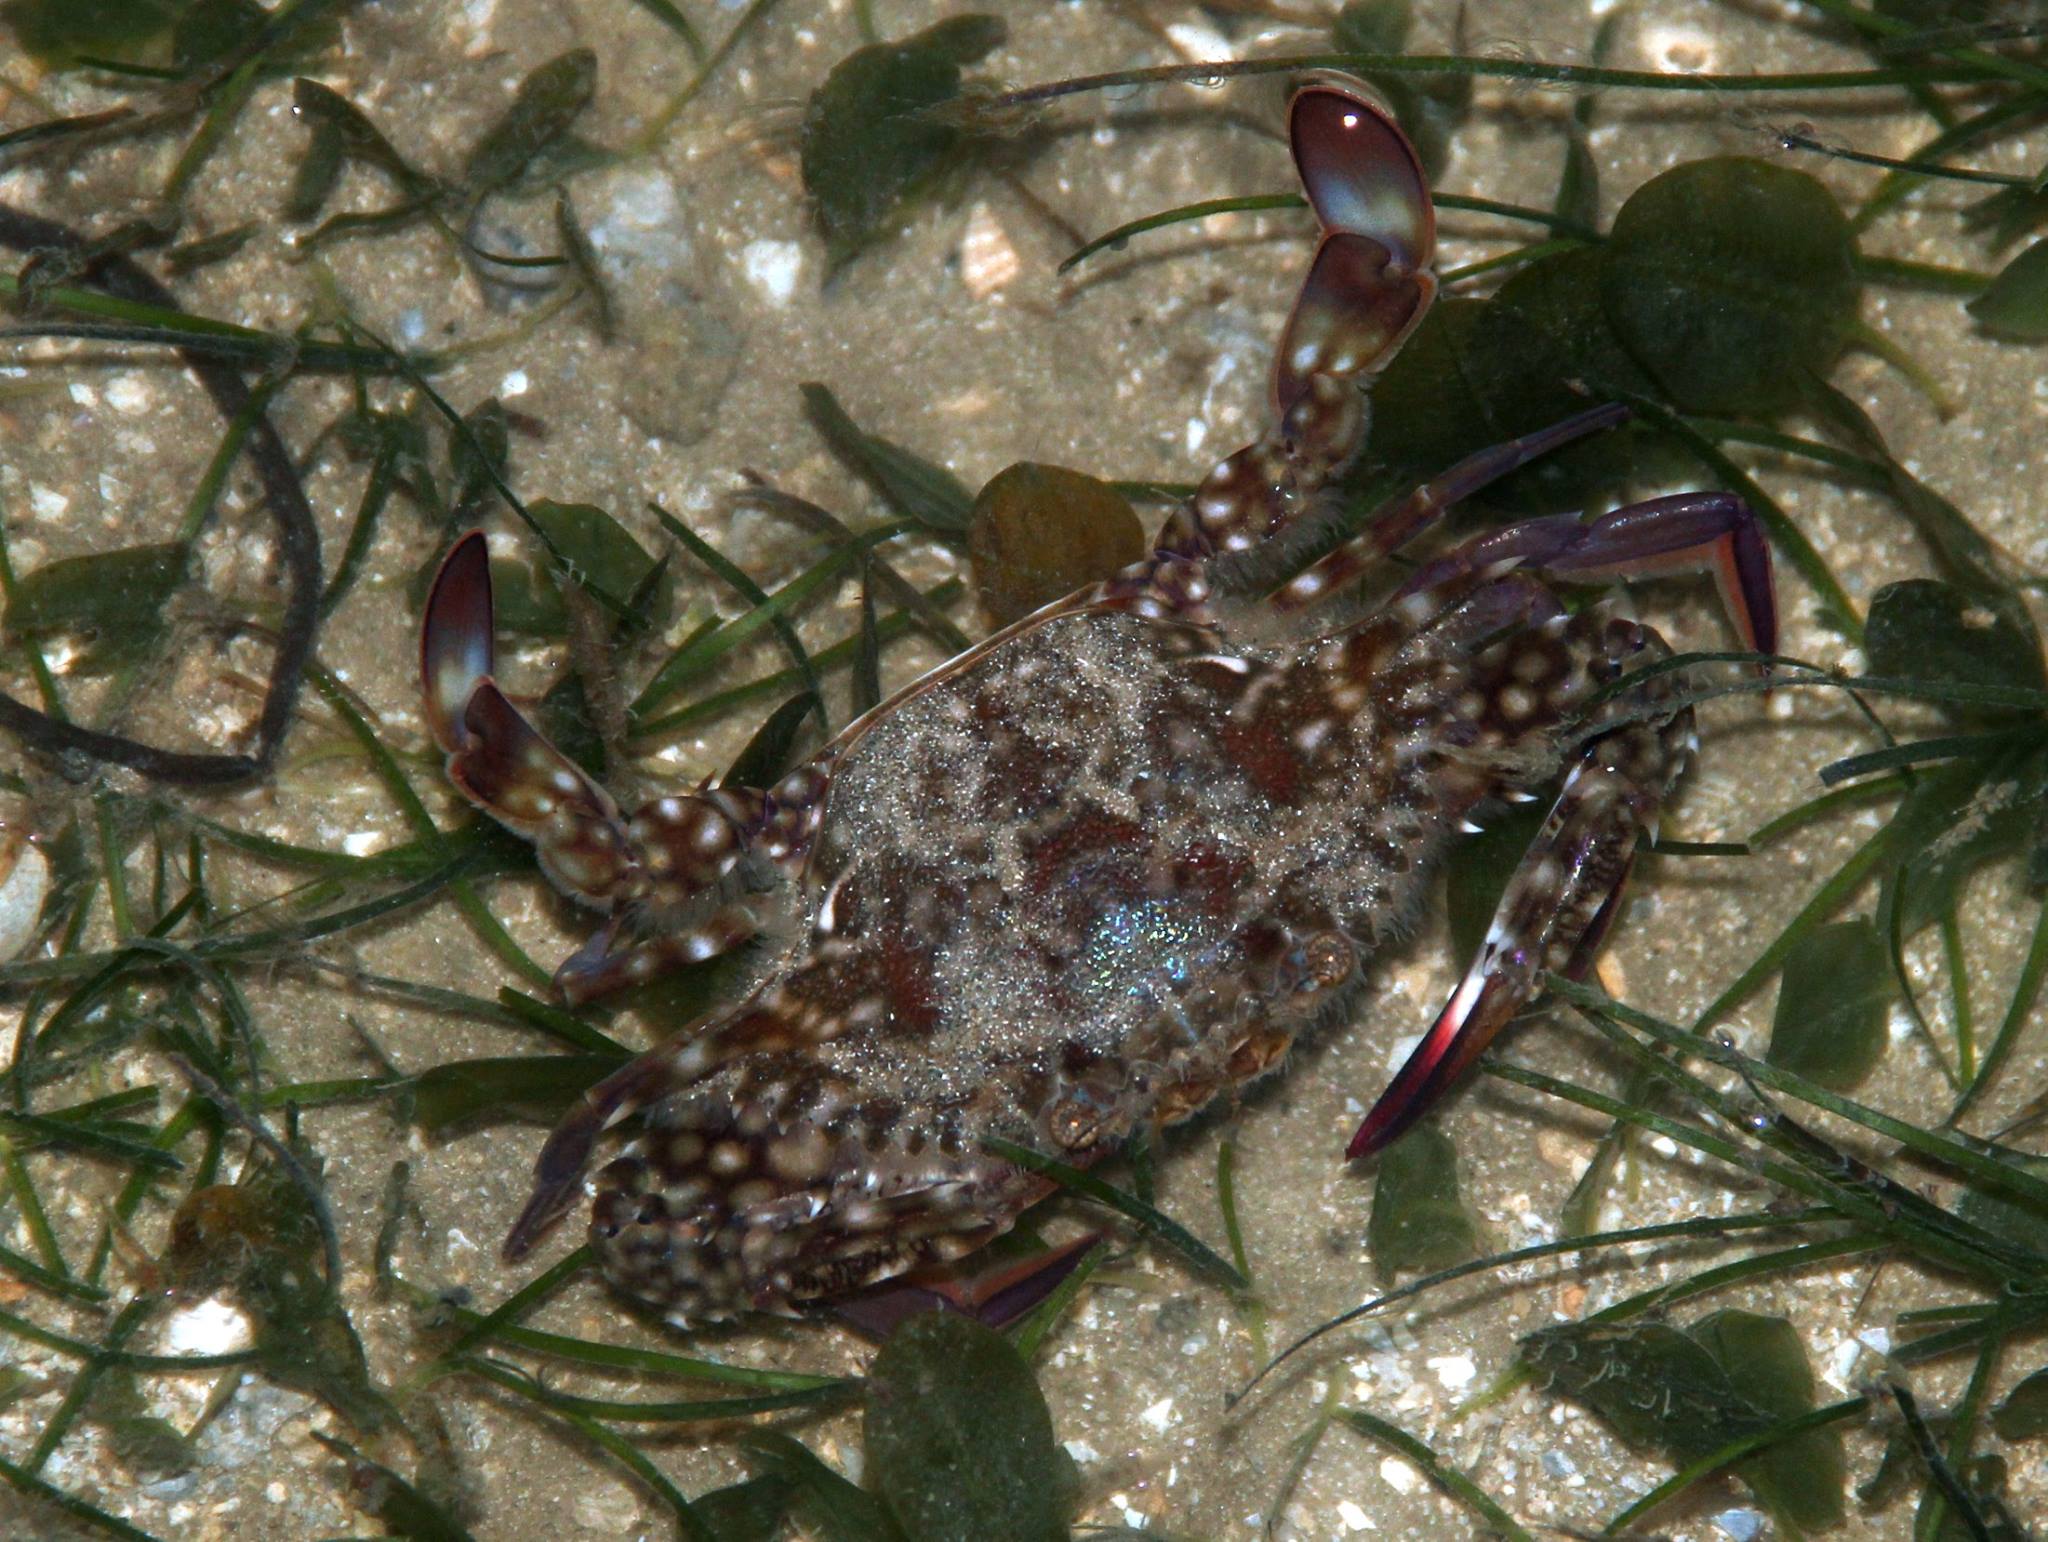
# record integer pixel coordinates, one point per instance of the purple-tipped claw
(1478, 1010)
(456, 649)
(1483, 1004)
(1681, 533)
(1370, 284)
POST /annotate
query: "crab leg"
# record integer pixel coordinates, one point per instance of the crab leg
(558, 1170)
(1553, 916)
(1402, 519)
(1562, 898)
(994, 1296)
(1685, 533)
(657, 865)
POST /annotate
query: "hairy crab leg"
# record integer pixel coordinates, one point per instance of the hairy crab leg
(1563, 895)
(1367, 289)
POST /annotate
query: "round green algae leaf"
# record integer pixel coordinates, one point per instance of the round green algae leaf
(1830, 1025)
(2015, 307)
(1731, 281)
(959, 1441)
(1040, 532)
(1419, 1219)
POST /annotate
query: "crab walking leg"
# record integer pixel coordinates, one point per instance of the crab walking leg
(1402, 519)
(667, 1071)
(1688, 532)
(602, 966)
(1562, 898)
(736, 1194)
(994, 1295)
(1557, 906)
(558, 1170)
(775, 1223)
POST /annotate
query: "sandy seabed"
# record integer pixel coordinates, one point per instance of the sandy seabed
(960, 339)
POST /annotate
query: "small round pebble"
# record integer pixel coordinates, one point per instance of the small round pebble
(24, 884)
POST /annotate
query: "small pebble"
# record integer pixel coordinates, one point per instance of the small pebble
(988, 261)
(773, 268)
(1742, 1525)
(1454, 1372)
(1565, 1153)
(607, 1508)
(24, 885)
(209, 1327)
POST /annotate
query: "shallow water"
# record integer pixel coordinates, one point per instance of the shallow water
(1148, 363)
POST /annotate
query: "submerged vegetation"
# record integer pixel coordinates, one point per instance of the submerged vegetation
(169, 1136)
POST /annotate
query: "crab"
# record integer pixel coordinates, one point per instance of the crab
(1109, 863)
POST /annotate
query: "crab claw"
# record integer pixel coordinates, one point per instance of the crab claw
(1370, 283)
(499, 760)
(456, 651)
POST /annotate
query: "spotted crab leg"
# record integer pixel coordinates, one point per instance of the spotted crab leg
(1564, 894)
(1402, 519)
(666, 863)
(1367, 289)
(1556, 910)
(558, 1171)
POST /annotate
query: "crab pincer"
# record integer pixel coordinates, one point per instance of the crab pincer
(1369, 284)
